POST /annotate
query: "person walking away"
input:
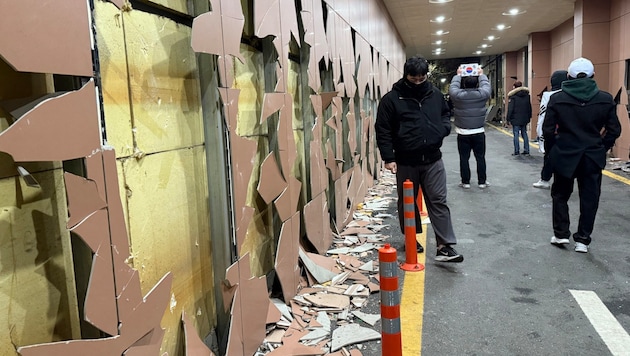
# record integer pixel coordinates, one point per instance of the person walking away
(556, 85)
(469, 95)
(519, 114)
(411, 123)
(580, 126)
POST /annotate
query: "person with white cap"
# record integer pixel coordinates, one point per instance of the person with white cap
(580, 126)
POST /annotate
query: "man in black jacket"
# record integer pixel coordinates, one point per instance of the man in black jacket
(411, 123)
(577, 149)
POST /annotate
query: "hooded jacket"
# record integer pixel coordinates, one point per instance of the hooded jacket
(573, 124)
(469, 104)
(557, 78)
(411, 124)
(519, 107)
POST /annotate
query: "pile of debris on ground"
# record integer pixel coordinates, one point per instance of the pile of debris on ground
(617, 164)
(325, 317)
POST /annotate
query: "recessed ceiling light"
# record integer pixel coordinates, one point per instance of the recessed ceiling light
(441, 32)
(441, 19)
(501, 27)
(484, 46)
(479, 52)
(439, 1)
(491, 38)
(514, 12)
(439, 42)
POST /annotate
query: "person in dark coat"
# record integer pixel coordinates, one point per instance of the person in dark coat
(519, 114)
(580, 126)
(411, 122)
(469, 95)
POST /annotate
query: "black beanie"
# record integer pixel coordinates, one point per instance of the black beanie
(557, 78)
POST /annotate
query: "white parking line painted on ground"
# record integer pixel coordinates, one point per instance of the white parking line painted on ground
(608, 328)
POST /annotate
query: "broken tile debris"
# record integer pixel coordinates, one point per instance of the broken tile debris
(324, 316)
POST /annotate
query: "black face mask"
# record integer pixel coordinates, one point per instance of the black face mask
(417, 90)
(415, 86)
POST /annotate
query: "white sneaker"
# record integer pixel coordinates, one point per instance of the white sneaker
(559, 242)
(580, 247)
(542, 184)
(464, 185)
(484, 185)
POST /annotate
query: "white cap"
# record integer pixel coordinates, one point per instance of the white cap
(581, 65)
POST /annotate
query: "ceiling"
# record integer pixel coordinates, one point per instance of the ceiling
(470, 22)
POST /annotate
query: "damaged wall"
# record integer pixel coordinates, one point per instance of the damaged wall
(296, 90)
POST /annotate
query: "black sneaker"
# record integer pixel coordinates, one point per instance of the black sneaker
(448, 254)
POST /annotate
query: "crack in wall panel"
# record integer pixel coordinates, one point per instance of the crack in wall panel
(271, 183)
(83, 199)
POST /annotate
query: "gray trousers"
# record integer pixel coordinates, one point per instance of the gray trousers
(432, 179)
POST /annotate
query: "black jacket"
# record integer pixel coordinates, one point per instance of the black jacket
(519, 107)
(410, 129)
(573, 125)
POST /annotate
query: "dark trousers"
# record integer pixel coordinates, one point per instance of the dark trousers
(589, 179)
(547, 171)
(432, 179)
(477, 144)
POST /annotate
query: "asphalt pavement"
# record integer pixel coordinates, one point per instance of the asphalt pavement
(515, 293)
